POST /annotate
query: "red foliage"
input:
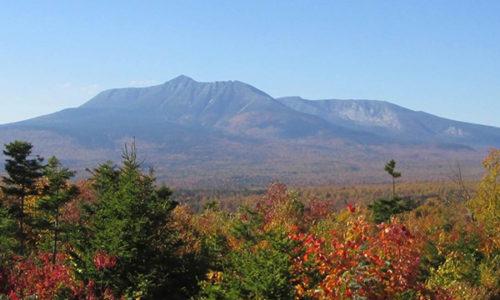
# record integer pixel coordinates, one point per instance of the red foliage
(90, 291)
(275, 197)
(361, 265)
(13, 295)
(103, 260)
(319, 209)
(106, 295)
(41, 278)
(71, 211)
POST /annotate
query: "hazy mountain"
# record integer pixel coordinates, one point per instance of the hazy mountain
(387, 119)
(183, 107)
(201, 133)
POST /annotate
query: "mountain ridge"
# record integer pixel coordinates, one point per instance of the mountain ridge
(396, 118)
(230, 128)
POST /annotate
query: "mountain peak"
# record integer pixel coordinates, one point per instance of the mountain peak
(181, 79)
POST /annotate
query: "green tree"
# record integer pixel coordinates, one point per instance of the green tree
(7, 239)
(130, 221)
(261, 268)
(389, 168)
(23, 173)
(383, 209)
(57, 192)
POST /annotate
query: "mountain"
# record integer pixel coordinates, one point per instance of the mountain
(231, 109)
(230, 133)
(387, 119)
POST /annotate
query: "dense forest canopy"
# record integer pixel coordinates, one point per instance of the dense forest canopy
(120, 235)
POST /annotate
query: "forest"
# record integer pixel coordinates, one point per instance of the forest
(121, 235)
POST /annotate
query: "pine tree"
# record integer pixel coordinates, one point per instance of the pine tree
(383, 209)
(129, 222)
(57, 192)
(389, 168)
(23, 173)
(260, 268)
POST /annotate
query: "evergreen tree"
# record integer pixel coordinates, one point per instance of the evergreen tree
(383, 209)
(57, 192)
(7, 239)
(23, 173)
(260, 268)
(389, 168)
(130, 222)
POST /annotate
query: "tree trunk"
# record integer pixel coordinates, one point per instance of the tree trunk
(21, 223)
(393, 187)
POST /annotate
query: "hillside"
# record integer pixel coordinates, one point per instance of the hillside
(230, 133)
(387, 119)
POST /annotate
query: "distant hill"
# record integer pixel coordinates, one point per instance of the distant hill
(232, 134)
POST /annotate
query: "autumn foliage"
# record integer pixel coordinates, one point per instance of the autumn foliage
(358, 263)
(122, 237)
(39, 276)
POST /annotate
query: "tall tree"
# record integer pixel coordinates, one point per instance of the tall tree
(57, 192)
(129, 222)
(23, 173)
(389, 168)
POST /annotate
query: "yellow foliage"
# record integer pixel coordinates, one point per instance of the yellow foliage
(452, 276)
(490, 274)
(485, 206)
(30, 202)
(216, 276)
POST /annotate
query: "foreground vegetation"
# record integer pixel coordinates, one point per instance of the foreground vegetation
(118, 235)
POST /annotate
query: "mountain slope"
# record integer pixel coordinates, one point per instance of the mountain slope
(182, 104)
(387, 119)
(222, 132)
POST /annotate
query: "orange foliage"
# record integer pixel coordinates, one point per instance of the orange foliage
(364, 262)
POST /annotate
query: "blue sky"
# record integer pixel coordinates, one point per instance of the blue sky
(442, 57)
